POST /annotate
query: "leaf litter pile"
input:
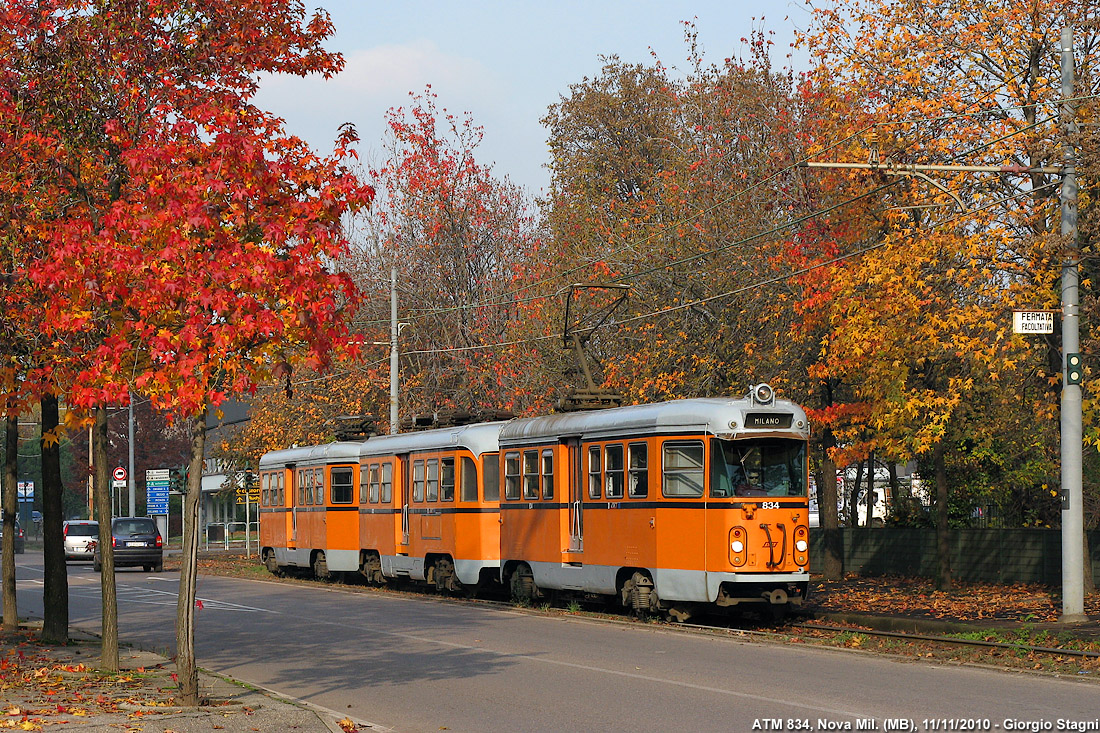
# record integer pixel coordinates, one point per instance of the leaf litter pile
(43, 685)
(919, 598)
(1013, 625)
(47, 687)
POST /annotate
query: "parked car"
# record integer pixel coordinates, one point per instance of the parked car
(20, 537)
(136, 542)
(81, 536)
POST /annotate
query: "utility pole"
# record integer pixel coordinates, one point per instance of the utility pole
(1073, 577)
(394, 331)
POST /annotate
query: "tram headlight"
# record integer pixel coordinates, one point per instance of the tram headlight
(738, 554)
(801, 545)
(762, 394)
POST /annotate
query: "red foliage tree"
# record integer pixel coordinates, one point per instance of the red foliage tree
(193, 254)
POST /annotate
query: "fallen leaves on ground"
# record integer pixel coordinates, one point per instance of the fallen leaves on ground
(919, 597)
(54, 692)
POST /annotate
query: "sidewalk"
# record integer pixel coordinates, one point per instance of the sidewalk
(44, 686)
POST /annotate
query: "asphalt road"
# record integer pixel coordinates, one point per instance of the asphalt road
(416, 664)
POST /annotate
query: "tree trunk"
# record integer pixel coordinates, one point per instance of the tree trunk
(943, 536)
(1090, 581)
(827, 514)
(106, 550)
(853, 497)
(55, 580)
(895, 490)
(186, 669)
(871, 489)
(10, 506)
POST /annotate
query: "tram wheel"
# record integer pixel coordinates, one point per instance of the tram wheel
(320, 567)
(523, 585)
(371, 569)
(271, 563)
(445, 578)
(639, 595)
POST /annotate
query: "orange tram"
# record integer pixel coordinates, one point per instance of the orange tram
(662, 507)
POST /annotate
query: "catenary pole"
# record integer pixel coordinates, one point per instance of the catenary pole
(1073, 578)
(394, 330)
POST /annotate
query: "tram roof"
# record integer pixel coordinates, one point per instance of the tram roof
(347, 451)
(477, 438)
(712, 415)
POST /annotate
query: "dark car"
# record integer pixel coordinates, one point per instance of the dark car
(136, 542)
(81, 536)
(20, 537)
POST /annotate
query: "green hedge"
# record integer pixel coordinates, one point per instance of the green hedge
(977, 555)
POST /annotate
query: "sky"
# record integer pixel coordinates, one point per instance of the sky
(504, 63)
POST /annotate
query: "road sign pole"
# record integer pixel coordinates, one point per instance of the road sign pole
(131, 485)
(247, 530)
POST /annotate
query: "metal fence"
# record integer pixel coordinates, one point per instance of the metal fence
(227, 535)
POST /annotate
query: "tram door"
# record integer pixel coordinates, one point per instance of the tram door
(292, 506)
(576, 494)
(403, 500)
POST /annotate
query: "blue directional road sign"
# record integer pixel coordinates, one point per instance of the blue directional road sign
(156, 491)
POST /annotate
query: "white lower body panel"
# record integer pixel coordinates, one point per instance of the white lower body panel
(339, 561)
(694, 586)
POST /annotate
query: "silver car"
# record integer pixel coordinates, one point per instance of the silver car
(81, 536)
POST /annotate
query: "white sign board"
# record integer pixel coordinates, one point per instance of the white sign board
(1033, 321)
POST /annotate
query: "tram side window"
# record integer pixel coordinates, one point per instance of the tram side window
(318, 485)
(637, 483)
(469, 479)
(548, 474)
(302, 487)
(511, 475)
(279, 479)
(364, 483)
(447, 480)
(387, 482)
(418, 481)
(530, 474)
(613, 471)
(433, 479)
(265, 489)
(683, 469)
(372, 483)
(490, 470)
(594, 472)
(342, 488)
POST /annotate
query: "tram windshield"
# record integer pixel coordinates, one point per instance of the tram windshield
(769, 467)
